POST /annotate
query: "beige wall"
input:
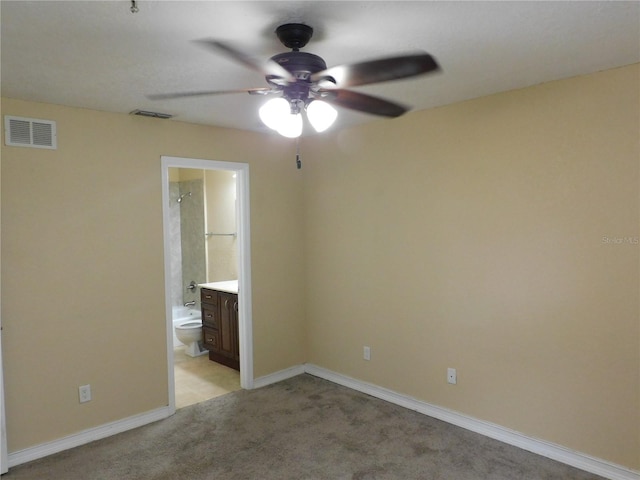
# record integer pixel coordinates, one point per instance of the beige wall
(468, 236)
(471, 236)
(82, 264)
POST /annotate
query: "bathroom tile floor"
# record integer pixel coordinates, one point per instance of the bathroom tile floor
(199, 379)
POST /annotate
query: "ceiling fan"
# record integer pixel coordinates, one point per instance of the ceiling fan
(301, 82)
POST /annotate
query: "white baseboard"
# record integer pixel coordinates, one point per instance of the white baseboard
(75, 440)
(511, 437)
(86, 436)
(278, 376)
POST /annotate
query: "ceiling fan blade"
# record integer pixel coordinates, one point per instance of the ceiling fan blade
(380, 70)
(364, 103)
(266, 68)
(251, 91)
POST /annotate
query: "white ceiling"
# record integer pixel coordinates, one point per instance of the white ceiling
(99, 55)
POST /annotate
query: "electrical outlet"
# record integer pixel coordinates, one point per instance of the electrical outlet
(452, 376)
(366, 353)
(84, 392)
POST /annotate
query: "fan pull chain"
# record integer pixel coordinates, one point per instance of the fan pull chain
(298, 161)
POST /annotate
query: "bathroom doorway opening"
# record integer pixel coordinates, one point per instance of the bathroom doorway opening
(232, 244)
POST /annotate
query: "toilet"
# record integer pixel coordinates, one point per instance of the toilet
(190, 333)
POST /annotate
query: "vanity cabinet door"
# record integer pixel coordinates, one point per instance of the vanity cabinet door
(227, 317)
(234, 330)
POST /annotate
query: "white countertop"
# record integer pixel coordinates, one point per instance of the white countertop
(229, 286)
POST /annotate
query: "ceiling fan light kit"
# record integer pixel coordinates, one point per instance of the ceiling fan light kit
(285, 116)
(302, 82)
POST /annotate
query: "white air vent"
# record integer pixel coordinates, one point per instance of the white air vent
(29, 132)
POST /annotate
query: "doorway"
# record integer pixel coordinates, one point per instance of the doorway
(241, 171)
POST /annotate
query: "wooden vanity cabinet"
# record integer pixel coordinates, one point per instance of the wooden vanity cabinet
(210, 319)
(220, 326)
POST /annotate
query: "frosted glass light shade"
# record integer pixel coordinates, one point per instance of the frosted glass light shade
(274, 112)
(321, 115)
(290, 125)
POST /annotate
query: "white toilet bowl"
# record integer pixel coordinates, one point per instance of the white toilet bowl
(190, 333)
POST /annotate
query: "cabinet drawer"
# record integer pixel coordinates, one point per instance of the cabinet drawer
(209, 297)
(211, 338)
(210, 317)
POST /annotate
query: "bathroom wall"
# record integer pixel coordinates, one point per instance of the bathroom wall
(211, 207)
(222, 249)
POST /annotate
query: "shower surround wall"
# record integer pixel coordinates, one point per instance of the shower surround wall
(187, 227)
(175, 246)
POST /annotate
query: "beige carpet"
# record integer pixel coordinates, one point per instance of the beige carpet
(301, 428)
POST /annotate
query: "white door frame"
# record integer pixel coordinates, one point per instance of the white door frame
(245, 329)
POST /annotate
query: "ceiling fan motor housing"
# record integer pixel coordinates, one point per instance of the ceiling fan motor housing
(300, 64)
